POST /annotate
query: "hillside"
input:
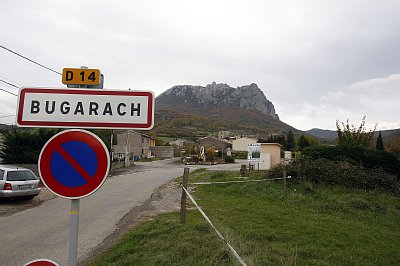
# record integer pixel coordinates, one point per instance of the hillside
(322, 133)
(332, 134)
(192, 111)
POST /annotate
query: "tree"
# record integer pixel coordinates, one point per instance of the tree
(306, 141)
(379, 142)
(274, 139)
(289, 141)
(105, 136)
(302, 142)
(24, 146)
(19, 147)
(352, 136)
(393, 143)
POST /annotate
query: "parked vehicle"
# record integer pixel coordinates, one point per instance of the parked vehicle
(191, 159)
(18, 182)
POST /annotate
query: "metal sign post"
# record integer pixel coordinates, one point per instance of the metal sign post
(73, 233)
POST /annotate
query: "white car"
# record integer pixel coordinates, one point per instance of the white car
(18, 182)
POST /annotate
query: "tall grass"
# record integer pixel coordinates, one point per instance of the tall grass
(308, 225)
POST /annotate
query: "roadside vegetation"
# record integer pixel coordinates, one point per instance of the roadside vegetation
(23, 146)
(308, 225)
(341, 207)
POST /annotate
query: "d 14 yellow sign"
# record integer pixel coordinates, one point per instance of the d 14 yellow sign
(81, 76)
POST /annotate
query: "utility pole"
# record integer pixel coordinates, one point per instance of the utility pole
(127, 149)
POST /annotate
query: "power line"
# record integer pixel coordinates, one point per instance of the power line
(8, 92)
(30, 60)
(8, 83)
(10, 80)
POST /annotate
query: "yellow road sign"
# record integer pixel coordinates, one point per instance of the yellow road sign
(81, 76)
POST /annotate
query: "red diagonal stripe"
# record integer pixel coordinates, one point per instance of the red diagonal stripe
(74, 164)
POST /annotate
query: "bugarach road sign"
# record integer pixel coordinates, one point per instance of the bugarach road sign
(74, 163)
(84, 108)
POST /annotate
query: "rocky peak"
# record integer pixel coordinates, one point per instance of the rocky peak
(248, 97)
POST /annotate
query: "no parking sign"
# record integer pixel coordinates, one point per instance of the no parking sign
(42, 262)
(74, 163)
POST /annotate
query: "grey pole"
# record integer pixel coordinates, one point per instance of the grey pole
(127, 149)
(73, 233)
(111, 151)
(74, 222)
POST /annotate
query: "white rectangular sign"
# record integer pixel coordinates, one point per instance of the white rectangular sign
(253, 153)
(85, 108)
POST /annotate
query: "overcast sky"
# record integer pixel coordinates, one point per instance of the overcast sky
(317, 61)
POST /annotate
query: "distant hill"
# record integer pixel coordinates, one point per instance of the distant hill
(187, 110)
(322, 133)
(332, 134)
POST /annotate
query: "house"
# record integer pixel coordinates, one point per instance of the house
(217, 144)
(270, 155)
(147, 143)
(179, 143)
(241, 144)
(224, 134)
(135, 143)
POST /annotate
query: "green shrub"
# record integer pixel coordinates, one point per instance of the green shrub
(366, 157)
(341, 172)
(229, 159)
(240, 154)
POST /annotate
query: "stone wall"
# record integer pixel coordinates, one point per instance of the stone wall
(163, 151)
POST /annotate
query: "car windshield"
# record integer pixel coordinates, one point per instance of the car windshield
(20, 175)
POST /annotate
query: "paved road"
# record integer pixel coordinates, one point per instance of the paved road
(43, 231)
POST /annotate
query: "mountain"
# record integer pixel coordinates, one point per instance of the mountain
(187, 110)
(248, 97)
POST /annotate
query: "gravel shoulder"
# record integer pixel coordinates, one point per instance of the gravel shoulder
(9, 206)
(13, 205)
(165, 199)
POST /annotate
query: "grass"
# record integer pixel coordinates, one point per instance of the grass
(166, 139)
(307, 226)
(164, 241)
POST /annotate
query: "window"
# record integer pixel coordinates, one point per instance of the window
(1, 174)
(20, 175)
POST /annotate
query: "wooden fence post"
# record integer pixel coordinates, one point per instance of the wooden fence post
(183, 197)
(284, 181)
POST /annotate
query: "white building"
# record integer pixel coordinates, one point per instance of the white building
(242, 143)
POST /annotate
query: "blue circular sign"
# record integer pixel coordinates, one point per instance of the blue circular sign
(74, 163)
